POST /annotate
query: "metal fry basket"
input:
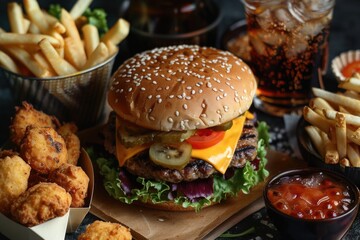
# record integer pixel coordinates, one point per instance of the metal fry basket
(79, 97)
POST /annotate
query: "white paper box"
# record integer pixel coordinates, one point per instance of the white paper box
(54, 229)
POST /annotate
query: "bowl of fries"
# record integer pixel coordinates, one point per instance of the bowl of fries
(329, 132)
(61, 64)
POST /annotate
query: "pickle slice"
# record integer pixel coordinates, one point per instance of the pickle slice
(130, 138)
(223, 127)
(173, 156)
(131, 135)
(173, 136)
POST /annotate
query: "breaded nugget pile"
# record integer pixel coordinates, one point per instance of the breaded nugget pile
(105, 231)
(39, 179)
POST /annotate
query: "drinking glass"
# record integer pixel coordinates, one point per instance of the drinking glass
(289, 42)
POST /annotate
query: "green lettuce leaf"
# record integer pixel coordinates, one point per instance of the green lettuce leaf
(157, 191)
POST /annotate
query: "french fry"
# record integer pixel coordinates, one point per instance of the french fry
(317, 120)
(318, 111)
(7, 63)
(349, 118)
(340, 133)
(351, 84)
(60, 65)
(58, 27)
(16, 18)
(347, 102)
(353, 155)
(73, 53)
(316, 139)
(50, 18)
(355, 136)
(320, 103)
(352, 94)
(343, 110)
(24, 39)
(91, 38)
(79, 8)
(26, 23)
(99, 55)
(40, 58)
(356, 75)
(33, 28)
(59, 49)
(36, 16)
(117, 32)
(344, 162)
(331, 155)
(25, 58)
(72, 32)
(112, 48)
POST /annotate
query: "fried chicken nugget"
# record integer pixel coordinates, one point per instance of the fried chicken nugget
(43, 148)
(40, 203)
(100, 230)
(14, 175)
(74, 180)
(72, 141)
(25, 116)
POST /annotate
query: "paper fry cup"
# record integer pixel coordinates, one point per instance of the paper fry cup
(338, 63)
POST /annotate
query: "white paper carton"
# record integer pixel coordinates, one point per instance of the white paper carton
(54, 229)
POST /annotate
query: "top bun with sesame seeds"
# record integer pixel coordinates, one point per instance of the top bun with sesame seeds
(182, 88)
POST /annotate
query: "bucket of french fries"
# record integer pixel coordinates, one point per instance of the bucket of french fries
(329, 133)
(60, 60)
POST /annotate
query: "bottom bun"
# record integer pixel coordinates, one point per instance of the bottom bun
(169, 206)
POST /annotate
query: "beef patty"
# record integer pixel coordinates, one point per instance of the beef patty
(246, 150)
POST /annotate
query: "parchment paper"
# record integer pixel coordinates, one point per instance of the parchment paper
(155, 224)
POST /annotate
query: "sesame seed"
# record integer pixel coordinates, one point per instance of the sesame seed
(177, 113)
(151, 118)
(185, 106)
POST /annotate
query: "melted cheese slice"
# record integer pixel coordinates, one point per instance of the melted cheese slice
(219, 155)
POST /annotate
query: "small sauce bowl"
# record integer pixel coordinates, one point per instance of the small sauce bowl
(311, 203)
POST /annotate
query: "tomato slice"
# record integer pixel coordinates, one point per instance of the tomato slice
(350, 69)
(205, 138)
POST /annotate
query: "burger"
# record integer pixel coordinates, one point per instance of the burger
(180, 130)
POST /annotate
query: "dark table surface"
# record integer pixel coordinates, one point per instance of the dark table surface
(345, 35)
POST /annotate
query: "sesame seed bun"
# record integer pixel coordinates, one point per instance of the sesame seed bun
(182, 88)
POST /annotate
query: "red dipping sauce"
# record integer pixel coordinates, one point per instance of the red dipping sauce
(315, 196)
